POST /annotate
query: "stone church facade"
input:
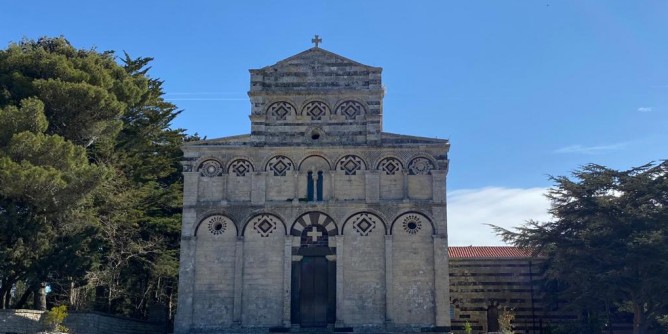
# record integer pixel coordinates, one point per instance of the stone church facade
(317, 218)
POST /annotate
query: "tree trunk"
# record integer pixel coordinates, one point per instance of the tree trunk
(638, 319)
(24, 298)
(41, 297)
(5, 292)
(2, 298)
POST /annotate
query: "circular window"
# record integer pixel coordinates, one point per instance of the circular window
(315, 135)
(412, 224)
(217, 225)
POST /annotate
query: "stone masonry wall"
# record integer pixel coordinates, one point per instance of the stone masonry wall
(364, 269)
(28, 322)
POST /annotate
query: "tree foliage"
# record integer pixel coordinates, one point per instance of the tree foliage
(608, 242)
(90, 180)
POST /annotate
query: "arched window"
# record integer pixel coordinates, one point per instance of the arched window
(314, 185)
(309, 187)
(319, 186)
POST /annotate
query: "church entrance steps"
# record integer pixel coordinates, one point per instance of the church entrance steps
(323, 330)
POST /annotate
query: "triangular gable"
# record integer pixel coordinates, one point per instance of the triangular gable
(314, 55)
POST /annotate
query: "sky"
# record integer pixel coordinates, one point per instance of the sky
(522, 89)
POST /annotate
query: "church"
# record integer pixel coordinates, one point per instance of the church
(316, 218)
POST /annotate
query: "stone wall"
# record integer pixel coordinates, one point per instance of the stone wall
(29, 322)
(495, 280)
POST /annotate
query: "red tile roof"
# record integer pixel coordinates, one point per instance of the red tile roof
(487, 252)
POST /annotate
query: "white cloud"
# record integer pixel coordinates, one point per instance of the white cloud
(645, 109)
(470, 209)
(580, 149)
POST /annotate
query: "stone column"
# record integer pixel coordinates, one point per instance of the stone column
(441, 283)
(315, 187)
(287, 279)
(389, 295)
(238, 279)
(295, 198)
(339, 281)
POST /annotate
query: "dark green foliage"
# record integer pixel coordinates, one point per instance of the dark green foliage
(608, 242)
(90, 180)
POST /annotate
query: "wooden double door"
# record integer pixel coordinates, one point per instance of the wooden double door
(313, 291)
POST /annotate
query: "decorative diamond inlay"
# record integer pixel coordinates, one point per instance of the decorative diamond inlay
(280, 165)
(280, 110)
(350, 164)
(240, 167)
(364, 223)
(264, 225)
(316, 110)
(350, 109)
(390, 166)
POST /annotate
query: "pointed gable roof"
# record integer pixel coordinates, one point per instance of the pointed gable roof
(317, 55)
(315, 69)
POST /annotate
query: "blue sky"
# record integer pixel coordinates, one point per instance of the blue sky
(523, 89)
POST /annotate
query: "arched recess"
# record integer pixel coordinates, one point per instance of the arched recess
(391, 174)
(350, 164)
(215, 248)
(364, 264)
(313, 163)
(263, 270)
(349, 182)
(210, 167)
(413, 269)
(316, 110)
(240, 167)
(280, 178)
(420, 185)
(210, 186)
(421, 165)
(314, 218)
(238, 179)
(350, 110)
(281, 111)
(314, 183)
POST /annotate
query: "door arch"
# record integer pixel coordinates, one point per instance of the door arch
(313, 300)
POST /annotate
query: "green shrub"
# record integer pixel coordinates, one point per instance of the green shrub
(55, 318)
(467, 327)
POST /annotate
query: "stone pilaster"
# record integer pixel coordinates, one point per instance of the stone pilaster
(184, 316)
(258, 187)
(441, 282)
(190, 188)
(372, 186)
(238, 278)
(287, 279)
(340, 284)
(389, 298)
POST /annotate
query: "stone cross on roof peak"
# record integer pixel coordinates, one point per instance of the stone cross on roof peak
(316, 40)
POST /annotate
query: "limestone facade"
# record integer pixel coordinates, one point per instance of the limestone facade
(317, 218)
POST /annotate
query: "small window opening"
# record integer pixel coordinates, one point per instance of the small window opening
(309, 187)
(319, 186)
(315, 135)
